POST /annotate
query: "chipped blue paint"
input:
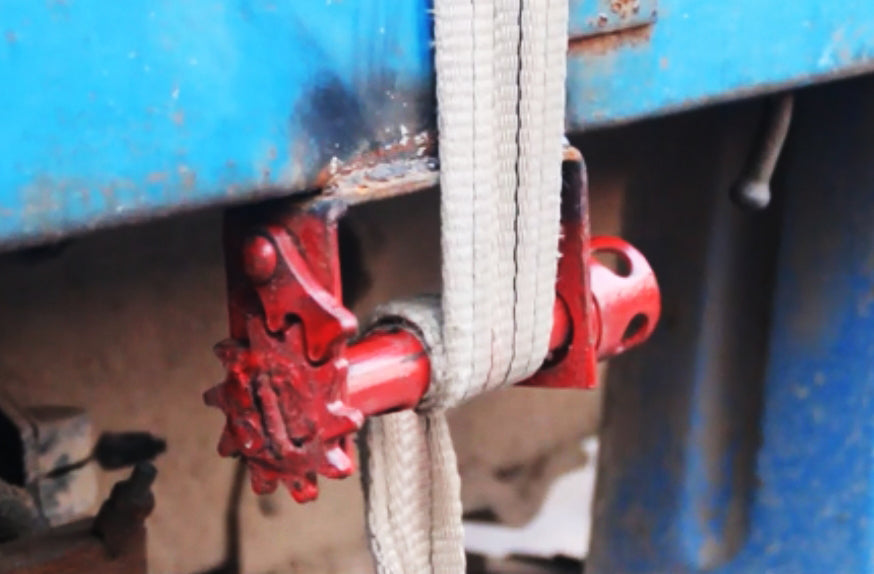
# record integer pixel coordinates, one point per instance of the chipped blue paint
(123, 110)
(594, 17)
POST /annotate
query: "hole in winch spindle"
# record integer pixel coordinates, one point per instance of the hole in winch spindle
(614, 260)
(635, 327)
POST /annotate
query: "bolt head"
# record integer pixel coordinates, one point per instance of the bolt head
(259, 259)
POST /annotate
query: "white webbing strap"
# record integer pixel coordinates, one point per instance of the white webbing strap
(500, 91)
(413, 505)
(409, 472)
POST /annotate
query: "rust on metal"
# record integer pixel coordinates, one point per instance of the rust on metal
(384, 180)
(411, 146)
(625, 8)
(120, 519)
(613, 41)
(408, 167)
(112, 543)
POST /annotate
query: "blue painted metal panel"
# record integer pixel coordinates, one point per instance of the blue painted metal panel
(116, 109)
(682, 496)
(700, 52)
(122, 110)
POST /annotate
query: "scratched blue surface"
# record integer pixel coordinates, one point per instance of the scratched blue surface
(703, 51)
(118, 111)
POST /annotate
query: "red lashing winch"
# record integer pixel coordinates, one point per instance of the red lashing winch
(297, 390)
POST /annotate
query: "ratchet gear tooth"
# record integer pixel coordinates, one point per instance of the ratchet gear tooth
(303, 489)
(263, 481)
(284, 394)
(299, 433)
(345, 420)
(230, 352)
(227, 445)
(338, 464)
(215, 397)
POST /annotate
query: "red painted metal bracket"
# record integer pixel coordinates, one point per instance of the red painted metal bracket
(573, 362)
(296, 391)
(285, 393)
